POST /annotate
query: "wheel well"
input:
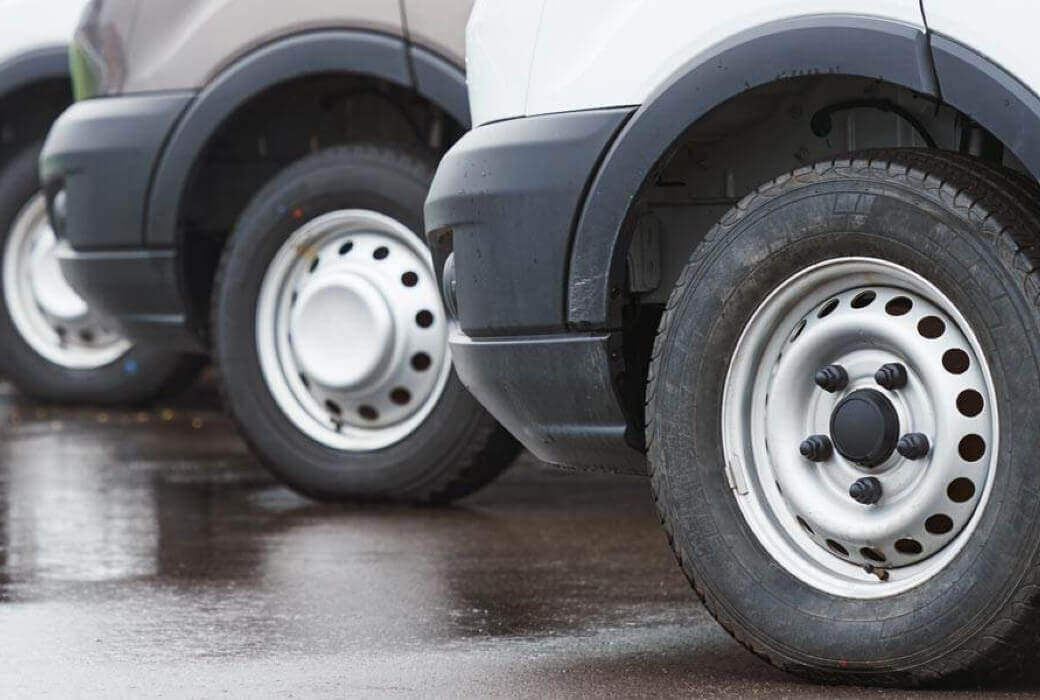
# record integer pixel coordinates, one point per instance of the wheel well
(274, 129)
(26, 114)
(743, 143)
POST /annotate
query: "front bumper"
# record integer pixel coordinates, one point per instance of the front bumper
(505, 201)
(96, 169)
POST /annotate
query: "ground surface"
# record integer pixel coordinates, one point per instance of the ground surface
(144, 553)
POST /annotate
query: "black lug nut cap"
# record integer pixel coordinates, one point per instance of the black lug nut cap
(891, 376)
(913, 445)
(816, 448)
(866, 490)
(832, 378)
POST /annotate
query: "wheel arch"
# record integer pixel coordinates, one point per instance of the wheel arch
(34, 89)
(888, 51)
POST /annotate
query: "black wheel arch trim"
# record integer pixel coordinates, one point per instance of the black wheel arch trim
(37, 65)
(838, 44)
(325, 51)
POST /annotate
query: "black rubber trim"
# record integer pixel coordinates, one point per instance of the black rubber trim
(838, 44)
(311, 53)
(555, 394)
(441, 82)
(991, 96)
(137, 288)
(45, 63)
(103, 152)
(509, 193)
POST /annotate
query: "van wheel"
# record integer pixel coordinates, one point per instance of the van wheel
(842, 420)
(331, 341)
(55, 348)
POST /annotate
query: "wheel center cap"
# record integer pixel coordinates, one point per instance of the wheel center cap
(865, 427)
(342, 331)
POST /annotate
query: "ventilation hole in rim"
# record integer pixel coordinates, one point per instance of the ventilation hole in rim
(805, 525)
(295, 296)
(368, 413)
(62, 331)
(314, 264)
(306, 382)
(971, 448)
(333, 407)
(346, 247)
(969, 403)
(961, 490)
(956, 361)
(87, 336)
(837, 548)
(899, 306)
(409, 279)
(828, 308)
(908, 546)
(938, 524)
(779, 487)
(400, 396)
(931, 327)
(872, 554)
(863, 299)
(424, 318)
(797, 331)
(381, 252)
(421, 362)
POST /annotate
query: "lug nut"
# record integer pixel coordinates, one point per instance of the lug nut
(892, 376)
(913, 445)
(866, 491)
(832, 378)
(816, 448)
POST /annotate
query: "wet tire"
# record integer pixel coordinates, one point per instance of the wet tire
(138, 374)
(457, 449)
(971, 230)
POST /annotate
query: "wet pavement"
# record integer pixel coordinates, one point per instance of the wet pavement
(145, 553)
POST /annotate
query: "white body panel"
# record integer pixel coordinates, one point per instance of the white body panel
(26, 25)
(603, 53)
(1004, 31)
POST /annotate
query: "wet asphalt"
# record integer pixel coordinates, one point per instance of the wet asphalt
(144, 553)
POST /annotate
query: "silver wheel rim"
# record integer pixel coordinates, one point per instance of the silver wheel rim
(350, 332)
(55, 321)
(859, 313)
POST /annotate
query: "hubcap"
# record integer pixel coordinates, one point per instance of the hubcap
(350, 331)
(913, 446)
(55, 321)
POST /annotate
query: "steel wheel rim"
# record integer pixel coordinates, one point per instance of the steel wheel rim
(369, 379)
(48, 314)
(799, 509)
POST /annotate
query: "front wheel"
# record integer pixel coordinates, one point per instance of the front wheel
(54, 346)
(842, 413)
(332, 343)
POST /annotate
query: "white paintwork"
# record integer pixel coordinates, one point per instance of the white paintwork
(26, 25)
(1004, 31)
(600, 53)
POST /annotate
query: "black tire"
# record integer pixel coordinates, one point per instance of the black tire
(972, 230)
(138, 375)
(457, 450)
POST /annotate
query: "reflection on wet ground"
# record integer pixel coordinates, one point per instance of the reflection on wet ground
(144, 552)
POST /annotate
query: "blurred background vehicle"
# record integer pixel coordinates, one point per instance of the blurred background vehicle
(53, 346)
(246, 179)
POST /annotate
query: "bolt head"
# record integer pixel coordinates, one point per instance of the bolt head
(913, 445)
(832, 378)
(866, 490)
(891, 376)
(816, 448)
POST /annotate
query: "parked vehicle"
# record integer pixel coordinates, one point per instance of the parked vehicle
(54, 346)
(783, 256)
(247, 179)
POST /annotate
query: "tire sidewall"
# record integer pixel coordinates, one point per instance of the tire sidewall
(754, 252)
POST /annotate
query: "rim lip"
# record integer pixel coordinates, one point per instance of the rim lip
(788, 546)
(28, 320)
(293, 400)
